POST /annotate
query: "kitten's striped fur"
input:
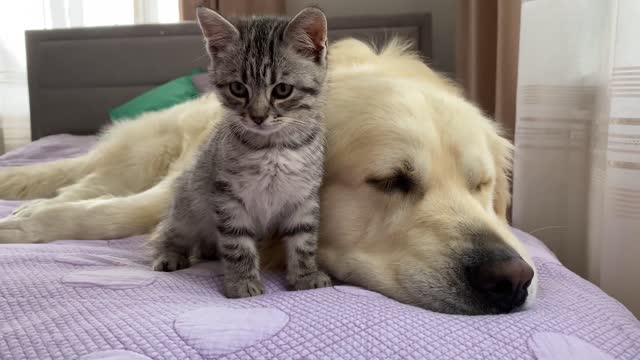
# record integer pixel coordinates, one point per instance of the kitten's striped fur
(259, 174)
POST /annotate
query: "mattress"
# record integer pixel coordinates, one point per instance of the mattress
(98, 299)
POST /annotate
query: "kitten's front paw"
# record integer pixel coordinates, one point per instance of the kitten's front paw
(314, 280)
(242, 288)
(170, 262)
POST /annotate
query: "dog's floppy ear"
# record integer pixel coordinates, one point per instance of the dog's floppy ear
(217, 31)
(307, 33)
(503, 155)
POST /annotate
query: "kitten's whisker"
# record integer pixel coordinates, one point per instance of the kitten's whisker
(532, 232)
(200, 58)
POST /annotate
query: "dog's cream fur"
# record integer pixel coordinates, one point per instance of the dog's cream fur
(385, 110)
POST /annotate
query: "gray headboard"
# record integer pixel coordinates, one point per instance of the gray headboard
(77, 75)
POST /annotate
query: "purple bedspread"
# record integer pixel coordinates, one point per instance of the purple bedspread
(95, 299)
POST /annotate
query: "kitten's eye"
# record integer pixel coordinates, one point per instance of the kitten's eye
(400, 182)
(238, 89)
(282, 91)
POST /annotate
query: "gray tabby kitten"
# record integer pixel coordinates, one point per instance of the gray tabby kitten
(259, 174)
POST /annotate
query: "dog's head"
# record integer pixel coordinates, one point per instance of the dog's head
(416, 189)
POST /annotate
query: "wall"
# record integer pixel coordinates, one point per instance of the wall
(442, 12)
(18, 16)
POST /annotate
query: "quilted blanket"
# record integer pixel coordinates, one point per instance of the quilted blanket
(97, 299)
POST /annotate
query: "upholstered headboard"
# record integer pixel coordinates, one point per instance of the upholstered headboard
(77, 75)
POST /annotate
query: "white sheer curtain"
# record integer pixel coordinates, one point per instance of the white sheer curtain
(18, 16)
(577, 161)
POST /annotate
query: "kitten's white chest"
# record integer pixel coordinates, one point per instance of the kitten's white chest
(275, 180)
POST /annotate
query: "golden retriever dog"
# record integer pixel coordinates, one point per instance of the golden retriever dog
(413, 200)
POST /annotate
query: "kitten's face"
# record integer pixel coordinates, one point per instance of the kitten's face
(269, 72)
(267, 91)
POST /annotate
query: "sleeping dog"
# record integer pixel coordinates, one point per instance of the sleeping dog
(413, 200)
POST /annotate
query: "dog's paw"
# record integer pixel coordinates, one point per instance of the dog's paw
(170, 262)
(14, 230)
(314, 280)
(242, 288)
(27, 209)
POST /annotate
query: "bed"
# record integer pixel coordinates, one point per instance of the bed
(98, 299)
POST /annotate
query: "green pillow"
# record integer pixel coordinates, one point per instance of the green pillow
(161, 97)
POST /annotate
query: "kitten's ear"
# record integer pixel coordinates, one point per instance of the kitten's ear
(307, 33)
(217, 31)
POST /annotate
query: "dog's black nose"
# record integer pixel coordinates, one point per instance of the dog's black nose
(258, 119)
(502, 283)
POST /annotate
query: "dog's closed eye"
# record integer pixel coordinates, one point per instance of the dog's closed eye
(398, 182)
(484, 184)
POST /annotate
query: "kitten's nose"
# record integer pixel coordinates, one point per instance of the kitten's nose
(258, 119)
